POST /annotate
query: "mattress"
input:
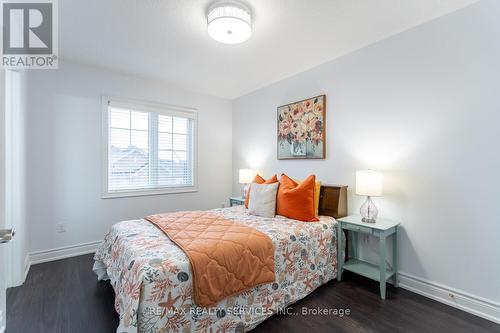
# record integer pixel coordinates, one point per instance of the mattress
(152, 276)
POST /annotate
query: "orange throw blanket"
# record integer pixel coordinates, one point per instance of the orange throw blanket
(226, 257)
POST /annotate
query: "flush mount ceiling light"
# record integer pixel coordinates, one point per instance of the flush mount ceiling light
(229, 22)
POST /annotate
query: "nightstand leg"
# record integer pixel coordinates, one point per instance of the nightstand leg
(340, 257)
(395, 277)
(382, 254)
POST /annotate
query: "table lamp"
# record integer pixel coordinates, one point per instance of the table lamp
(369, 183)
(246, 177)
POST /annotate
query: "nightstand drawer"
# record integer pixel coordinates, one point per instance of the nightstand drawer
(357, 228)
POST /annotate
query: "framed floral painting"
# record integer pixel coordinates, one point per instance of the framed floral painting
(301, 129)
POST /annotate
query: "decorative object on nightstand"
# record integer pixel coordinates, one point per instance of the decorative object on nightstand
(381, 229)
(236, 201)
(369, 183)
(246, 178)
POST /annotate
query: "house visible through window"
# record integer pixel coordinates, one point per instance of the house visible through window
(150, 149)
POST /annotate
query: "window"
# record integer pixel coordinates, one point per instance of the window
(149, 149)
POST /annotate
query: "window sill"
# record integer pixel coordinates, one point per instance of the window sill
(141, 193)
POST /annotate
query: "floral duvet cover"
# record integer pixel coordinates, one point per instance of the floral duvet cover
(152, 277)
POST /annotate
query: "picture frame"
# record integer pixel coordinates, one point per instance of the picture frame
(301, 129)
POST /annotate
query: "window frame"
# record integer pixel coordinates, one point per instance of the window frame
(162, 109)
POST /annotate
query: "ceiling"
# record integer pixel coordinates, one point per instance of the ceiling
(167, 40)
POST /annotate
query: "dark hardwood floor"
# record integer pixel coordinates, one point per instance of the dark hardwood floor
(65, 296)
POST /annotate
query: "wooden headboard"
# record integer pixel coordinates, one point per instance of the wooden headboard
(333, 201)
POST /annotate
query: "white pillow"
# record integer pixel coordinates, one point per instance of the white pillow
(263, 199)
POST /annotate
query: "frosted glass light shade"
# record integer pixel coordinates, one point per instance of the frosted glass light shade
(247, 176)
(229, 22)
(369, 183)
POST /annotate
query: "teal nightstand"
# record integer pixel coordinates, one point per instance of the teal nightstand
(236, 201)
(381, 229)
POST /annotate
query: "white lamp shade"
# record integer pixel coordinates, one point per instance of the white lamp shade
(369, 182)
(247, 176)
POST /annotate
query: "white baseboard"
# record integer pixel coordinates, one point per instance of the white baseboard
(459, 299)
(62, 252)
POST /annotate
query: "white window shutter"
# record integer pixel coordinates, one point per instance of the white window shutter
(149, 148)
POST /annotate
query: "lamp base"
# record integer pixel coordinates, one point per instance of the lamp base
(368, 211)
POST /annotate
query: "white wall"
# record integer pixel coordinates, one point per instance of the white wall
(424, 108)
(64, 160)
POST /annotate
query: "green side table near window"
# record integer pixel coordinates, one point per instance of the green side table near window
(236, 201)
(381, 229)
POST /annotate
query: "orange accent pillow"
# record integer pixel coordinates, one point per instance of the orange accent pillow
(317, 192)
(296, 201)
(259, 180)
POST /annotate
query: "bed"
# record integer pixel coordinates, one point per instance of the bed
(152, 276)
